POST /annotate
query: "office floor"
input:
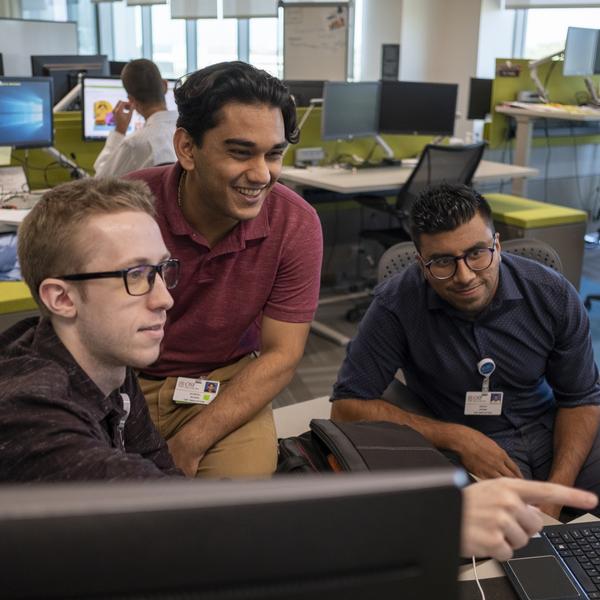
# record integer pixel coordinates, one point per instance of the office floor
(317, 370)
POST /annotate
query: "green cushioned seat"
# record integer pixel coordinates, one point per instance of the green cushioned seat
(531, 214)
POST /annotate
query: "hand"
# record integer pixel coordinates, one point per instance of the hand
(498, 516)
(180, 448)
(484, 458)
(122, 114)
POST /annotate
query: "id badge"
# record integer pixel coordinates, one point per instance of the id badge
(195, 391)
(483, 403)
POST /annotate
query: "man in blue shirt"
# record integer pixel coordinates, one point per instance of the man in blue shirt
(497, 347)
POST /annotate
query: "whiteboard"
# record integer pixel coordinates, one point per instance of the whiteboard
(20, 38)
(315, 41)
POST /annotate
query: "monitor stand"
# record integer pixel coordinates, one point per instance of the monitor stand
(594, 98)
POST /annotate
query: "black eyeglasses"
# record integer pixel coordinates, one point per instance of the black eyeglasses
(138, 280)
(478, 259)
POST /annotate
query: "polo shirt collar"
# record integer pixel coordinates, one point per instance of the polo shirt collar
(507, 291)
(234, 241)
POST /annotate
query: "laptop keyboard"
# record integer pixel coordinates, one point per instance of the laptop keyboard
(579, 547)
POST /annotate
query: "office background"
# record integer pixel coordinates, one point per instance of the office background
(440, 41)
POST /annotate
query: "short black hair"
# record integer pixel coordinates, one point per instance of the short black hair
(445, 207)
(202, 94)
(143, 82)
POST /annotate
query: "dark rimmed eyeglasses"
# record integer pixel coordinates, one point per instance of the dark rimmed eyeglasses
(477, 259)
(138, 280)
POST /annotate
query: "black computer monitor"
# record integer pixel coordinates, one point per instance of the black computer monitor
(350, 110)
(99, 95)
(409, 107)
(304, 91)
(480, 98)
(26, 112)
(339, 537)
(116, 66)
(65, 70)
(1, 65)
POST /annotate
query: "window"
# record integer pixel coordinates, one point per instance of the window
(168, 42)
(217, 41)
(264, 34)
(546, 30)
(47, 10)
(127, 31)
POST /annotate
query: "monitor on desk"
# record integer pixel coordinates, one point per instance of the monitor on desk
(340, 537)
(409, 107)
(26, 112)
(350, 110)
(116, 66)
(582, 52)
(1, 65)
(99, 97)
(66, 70)
(304, 91)
(480, 98)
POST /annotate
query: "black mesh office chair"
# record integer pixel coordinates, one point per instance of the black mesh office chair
(437, 164)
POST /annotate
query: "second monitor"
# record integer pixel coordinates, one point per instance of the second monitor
(349, 109)
(409, 107)
(99, 97)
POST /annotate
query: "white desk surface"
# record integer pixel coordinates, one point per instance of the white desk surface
(377, 179)
(541, 111)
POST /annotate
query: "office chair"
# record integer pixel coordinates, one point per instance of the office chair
(400, 256)
(437, 164)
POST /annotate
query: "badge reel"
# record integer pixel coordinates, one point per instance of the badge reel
(484, 402)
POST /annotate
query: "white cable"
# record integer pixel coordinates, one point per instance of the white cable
(477, 578)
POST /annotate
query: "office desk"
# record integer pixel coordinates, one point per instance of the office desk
(376, 179)
(384, 179)
(524, 118)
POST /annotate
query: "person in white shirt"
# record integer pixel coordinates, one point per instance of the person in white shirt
(153, 143)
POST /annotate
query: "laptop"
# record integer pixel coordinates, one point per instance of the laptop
(561, 563)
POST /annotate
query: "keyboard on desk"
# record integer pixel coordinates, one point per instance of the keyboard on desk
(579, 547)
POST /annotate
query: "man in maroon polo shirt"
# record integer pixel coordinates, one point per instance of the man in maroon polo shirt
(250, 252)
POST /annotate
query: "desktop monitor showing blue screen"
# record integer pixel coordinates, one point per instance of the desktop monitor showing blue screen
(99, 97)
(338, 537)
(26, 112)
(349, 110)
(409, 107)
(65, 70)
(582, 52)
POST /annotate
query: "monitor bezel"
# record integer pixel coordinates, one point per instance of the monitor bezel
(358, 134)
(99, 138)
(423, 131)
(49, 81)
(106, 539)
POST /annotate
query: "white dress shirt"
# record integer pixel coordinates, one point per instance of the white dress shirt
(151, 145)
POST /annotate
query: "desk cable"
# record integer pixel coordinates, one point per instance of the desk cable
(477, 578)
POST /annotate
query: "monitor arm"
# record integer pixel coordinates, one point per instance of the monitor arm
(313, 102)
(389, 153)
(594, 98)
(68, 99)
(533, 67)
(76, 171)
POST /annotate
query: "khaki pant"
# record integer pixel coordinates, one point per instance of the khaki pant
(249, 451)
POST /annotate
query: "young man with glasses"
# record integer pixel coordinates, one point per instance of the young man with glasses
(498, 348)
(70, 406)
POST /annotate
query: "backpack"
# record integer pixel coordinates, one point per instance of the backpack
(360, 446)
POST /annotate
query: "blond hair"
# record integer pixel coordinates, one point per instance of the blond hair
(49, 240)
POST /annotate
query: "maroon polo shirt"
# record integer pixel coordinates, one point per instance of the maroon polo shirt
(269, 265)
